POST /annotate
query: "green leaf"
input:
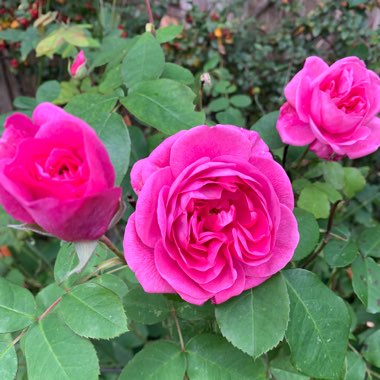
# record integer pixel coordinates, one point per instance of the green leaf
(101, 311)
(115, 137)
(143, 62)
(12, 35)
(266, 127)
(111, 81)
(170, 105)
(353, 181)
(356, 368)
(25, 102)
(48, 295)
(218, 104)
(371, 349)
(339, 253)
(112, 282)
(256, 320)
(241, 101)
(333, 174)
(309, 233)
(144, 307)
(168, 33)
(157, 361)
(282, 369)
(315, 201)
(29, 41)
(366, 280)
(191, 312)
(318, 327)
(212, 357)
(139, 146)
(231, 116)
(8, 358)
(369, 242)
(48, 91)
(331, 193)
(178, 73)
(53, 351)
(17, 307)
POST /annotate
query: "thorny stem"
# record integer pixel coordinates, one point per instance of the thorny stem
(150, 15)
(104, 239)
(326, 237)
(180, 337)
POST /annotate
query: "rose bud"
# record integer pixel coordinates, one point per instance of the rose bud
(56, 173)
(332, 108)
(213, 216)
(78, 68)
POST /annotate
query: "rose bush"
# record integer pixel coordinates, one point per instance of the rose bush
(56, 173)
(213, 216)
(333, 108)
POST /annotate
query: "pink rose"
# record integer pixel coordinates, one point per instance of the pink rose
(78, 67)
(213, 217)
(55, 172)
(333, 108)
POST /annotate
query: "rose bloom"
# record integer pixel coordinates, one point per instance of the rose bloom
(78, 68)
(213, 216)
(56, 173)
(332, 108)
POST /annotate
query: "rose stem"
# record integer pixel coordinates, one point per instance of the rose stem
(181, 342)
(299, 162)
(104, 239)
(284, 156)
(150, 15)
(326, 237)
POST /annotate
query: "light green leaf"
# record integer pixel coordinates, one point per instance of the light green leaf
(339, 253)
(318, 327)
(309, 233)
(170, 105)
(8, 358)
(212, 357)
(53, 351)
(17, 307)
(218, 104)
(333, 174)
(315, 201)
(48, 91)
(266, 127)
(178, 73)
(371, 349)
(112, 282)
(366, 282)
(332, 194)
(144, 307)
(231, 116)
(241, 101)
(256, 320)
(168, 33)
(101, 311)
(356, 368)
(145, 61)
(157, 361)
(353, 181)
(369, 242)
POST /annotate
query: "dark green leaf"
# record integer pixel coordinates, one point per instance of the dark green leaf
(241, 101)
(356, 368)
(144, 307)
(53, 351)
(366, 282)
(266, 127)
(25, 103)
(168, 33)
(111, 81)
(282, 369)
(231, 116)
(372, 349)
(48, 295)
(157, 361)
(339, 253)
(256, 320)
(29, 41)
(170, 105)
(194, 312)
(139, 147)
(145, 61)
(48, 91)
(319, 325)
(333, 173)
(8, 358)
(218, 104)
(178, 73)
(100, 310)
(12, 35)
(212, 357)
(112, 282)
(17, 307)
(309, 233)
(369, 242)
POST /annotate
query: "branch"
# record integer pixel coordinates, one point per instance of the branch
(150, 16)
(181, 342)
(104, 239)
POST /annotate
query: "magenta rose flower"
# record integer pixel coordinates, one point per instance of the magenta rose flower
(56, 173)
(78, 67)
(213, 216)
(332, 108)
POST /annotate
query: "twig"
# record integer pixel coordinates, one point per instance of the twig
(180, 337)
(326, 237)
(150, 16)
(284, 156)
(104, 239)
(49, 309)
